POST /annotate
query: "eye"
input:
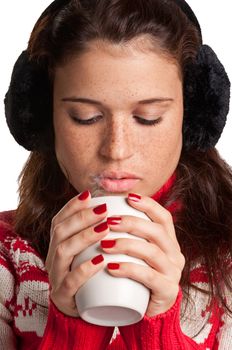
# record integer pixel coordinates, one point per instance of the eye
(149, 122)
(86, 121)
(143, 121)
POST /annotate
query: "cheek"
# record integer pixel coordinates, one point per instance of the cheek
(172, 131)
(164, 146)
(65, 143)
(69, 149)
(73, 149)
(168, 133)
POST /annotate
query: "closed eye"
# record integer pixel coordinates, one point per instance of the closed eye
(95, 119)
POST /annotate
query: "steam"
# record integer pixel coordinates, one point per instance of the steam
(96, 189)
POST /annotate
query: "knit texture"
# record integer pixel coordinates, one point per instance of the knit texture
(29, 320)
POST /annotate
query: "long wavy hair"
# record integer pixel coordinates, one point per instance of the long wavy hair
(203, 179)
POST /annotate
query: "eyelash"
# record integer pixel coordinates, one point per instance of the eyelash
(141, 121)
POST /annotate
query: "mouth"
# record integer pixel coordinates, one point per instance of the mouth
(118, 185)
(115, 181)
(118, 181)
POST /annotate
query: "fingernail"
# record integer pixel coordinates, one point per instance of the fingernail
(101, 227)
(113, 266)
(134, 197)
(97, 259)
(84, 195)
(100, 209)
(114, 220)
(108, 243)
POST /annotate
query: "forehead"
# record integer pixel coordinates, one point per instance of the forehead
(131, 69)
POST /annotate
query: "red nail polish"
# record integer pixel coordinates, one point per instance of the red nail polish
(113, 266)
(108, 243)
(84, 195)
(97, 259)
(114, 220)
(101, 227)
(134, 197)
(100, 209)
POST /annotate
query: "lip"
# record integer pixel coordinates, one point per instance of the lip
(118, 185)
(118, 175)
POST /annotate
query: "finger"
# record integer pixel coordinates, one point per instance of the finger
(159, 284)
(71, 284)
(77, 222)
(70, 226)
(77, 277)
(71, 207)
(156, 213)
(67, 250)
(151, 231)
(148, 252)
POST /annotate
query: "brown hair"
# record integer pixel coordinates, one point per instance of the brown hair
(204, 180)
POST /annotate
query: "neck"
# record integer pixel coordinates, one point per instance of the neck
(162, 193)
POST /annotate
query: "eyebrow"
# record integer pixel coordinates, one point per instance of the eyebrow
(94, 102)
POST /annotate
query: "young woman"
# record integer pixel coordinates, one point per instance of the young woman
(118, 97)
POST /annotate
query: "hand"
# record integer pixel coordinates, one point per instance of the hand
(72, 231)
(161, 252)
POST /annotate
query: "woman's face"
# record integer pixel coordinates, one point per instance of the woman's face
(118, 77)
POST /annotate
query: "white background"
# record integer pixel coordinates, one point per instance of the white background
(16, 22)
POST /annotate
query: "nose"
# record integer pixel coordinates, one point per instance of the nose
(118, 141)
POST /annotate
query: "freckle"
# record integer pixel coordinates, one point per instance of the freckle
(90, 143)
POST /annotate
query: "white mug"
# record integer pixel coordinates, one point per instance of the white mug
(104, 299)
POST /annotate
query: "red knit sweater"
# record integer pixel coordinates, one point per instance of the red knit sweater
(30, 321)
